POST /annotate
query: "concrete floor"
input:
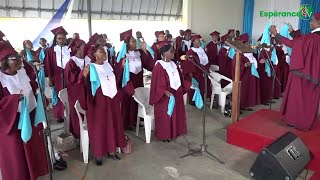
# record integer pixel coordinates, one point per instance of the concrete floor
(160, 161)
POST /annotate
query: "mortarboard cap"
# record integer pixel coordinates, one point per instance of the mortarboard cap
(194, 37)
(215, 33)
(230, 30)
(157, 33)
(6, 49)
(59, 30)
(125, 35)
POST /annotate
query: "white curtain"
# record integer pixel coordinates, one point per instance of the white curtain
(259, 23)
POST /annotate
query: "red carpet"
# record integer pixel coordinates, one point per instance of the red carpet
(263, 127)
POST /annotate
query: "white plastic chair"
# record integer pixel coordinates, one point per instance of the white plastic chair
(84, 136)
(146, 78)
(63, 96)
(214, 68)
(145, 111)
(216, 89)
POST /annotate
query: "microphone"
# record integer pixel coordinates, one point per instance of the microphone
(185, 57)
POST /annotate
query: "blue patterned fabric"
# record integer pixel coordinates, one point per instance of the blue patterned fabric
(171, 105)
(24, 123)
(94, 79)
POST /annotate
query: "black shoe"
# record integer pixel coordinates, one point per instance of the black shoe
(266, 104)
(114, 157)
(99, 161)
(276, 98)
(60, 165)
(60, 120)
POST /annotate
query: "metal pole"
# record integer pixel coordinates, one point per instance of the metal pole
(89, 17)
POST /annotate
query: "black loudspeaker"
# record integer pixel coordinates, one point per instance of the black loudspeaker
(284, 159)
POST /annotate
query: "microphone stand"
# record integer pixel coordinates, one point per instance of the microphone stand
(274, 78)
(46, 127)
(66, 128)
(203, 147)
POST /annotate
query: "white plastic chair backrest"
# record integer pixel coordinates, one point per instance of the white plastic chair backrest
(141, 96)
(214, 68)
(63, 96)
(229, 86)
(83, 122)
(215, 81)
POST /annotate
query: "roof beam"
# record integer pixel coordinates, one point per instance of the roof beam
(131, 8)
(101, 10)
(39, 8)
(148, 8)
(171, 9)
(155, 12)
(112, 9)
(93, 12)
(164, 7)
(140, 9)
(121, 9)
(179, 8)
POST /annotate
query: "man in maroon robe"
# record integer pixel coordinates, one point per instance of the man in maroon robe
(18, 159)
(163, 85)
(301, 98)
(250, 86)
(213, 48)
(56, 58)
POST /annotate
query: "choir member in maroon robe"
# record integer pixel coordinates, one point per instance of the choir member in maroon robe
(167, 80)
(155, 47)
(277, 87)
(282, 67)
(200, 57)
(178, 45)
(75, 91)
(28, 48)
(105, 124)
(225, 62)
(43, 45)
(250, 86)
(138, 59)
(265, 80)
(186, 42)
(213, 48)
(300, 103)
(18, 159)
(57, 56)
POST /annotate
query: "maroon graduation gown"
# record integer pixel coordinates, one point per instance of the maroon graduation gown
(76, 92)
(129, 105)
(19, 160)
(225, 65)
(178, 48)
(301, 98)
(283, 68)
(53, 71)
(167, 127)
(105, 124)
(250, 85)
(265, 80)
(212, 51)
(197, 75)
(155, 48)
